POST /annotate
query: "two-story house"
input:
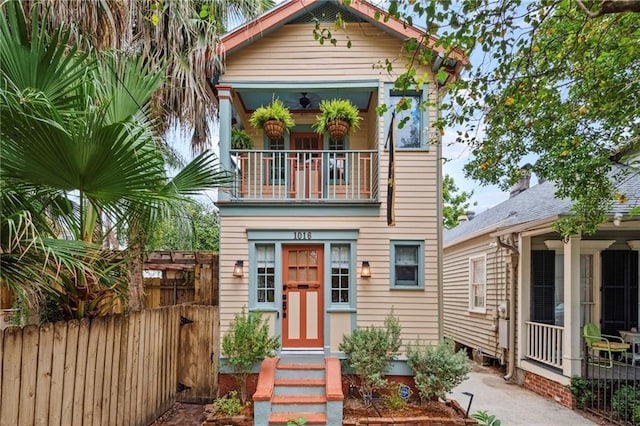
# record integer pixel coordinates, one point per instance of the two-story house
(304, 235)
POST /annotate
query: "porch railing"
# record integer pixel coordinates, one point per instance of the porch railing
(305, 175)
(544, 343)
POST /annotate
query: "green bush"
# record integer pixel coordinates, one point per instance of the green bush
(438, 369)
(246, 343)
(230, 404)
(486, 419)
(370, 351)
(241, 139)
(581, 390)
(625, 403)
(393, 398)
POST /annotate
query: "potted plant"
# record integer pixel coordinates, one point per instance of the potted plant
(338, 117)
(275, 119)
(240, 139)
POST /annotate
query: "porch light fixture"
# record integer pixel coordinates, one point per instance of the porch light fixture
(617, 219)
(365, 272)
(238, 269)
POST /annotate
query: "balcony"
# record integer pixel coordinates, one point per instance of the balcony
(308, 176)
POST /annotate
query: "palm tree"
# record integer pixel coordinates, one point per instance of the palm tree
(181, 34)
(79, 143)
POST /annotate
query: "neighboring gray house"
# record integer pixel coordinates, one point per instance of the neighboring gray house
(514, 291)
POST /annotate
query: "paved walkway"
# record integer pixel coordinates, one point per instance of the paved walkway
(513, 404)
(182, 415)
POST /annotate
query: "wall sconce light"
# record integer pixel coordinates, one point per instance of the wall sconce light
(365, 272)
(238, 269)
(617, 219)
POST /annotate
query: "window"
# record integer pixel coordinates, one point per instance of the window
(413, 134)
(340, 260)
(277, 161)
(477, 284)
(337, 161)
(407, 264)
(265, 273)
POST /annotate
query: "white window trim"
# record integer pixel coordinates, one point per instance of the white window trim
(473, 308)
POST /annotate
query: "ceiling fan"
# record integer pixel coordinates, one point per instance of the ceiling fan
(304, 101)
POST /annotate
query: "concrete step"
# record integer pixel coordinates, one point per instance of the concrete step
(295, 403)
(311, 418)
(300, 371)
(300, 387)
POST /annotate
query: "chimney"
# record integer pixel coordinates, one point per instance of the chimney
(471, 214)
(522, 184)
(462, 219)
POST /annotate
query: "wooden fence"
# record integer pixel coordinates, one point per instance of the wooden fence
(116, 370)
(185, 277)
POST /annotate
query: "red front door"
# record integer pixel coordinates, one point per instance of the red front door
(302, 305)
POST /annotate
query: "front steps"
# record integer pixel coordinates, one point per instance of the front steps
(299, 386)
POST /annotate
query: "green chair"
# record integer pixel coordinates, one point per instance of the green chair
(603, 342)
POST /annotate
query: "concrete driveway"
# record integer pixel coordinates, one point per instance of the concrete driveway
(513, 404)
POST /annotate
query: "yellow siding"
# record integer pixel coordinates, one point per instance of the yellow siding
(291, 53)
(476, 330)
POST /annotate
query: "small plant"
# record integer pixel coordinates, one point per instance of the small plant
(241, 139)
(246, 343)
(276, 111)
(625, 403)
(438, 368)
(229, 404)
(370, 350)
(581, 390)
(393, 398)
(300, 421)
(337, 109)
(485, 419)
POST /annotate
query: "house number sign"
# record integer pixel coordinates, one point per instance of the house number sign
(302, 235)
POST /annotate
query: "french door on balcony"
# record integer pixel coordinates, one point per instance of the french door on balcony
(302, 303)
(305, 165)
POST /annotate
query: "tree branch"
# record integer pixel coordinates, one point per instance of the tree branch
(611, 7)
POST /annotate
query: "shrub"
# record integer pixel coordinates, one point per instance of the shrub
(241, 139)
(230, 404)
(246, 343)
(581, 390)
(438, 369)
(393, 398)
(486, 419)
(625, 403)
(370, 351)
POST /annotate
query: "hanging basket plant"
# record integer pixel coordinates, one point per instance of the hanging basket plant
(337, 117)
(275, 119)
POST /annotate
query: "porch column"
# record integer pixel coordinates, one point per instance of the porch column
(572, 350)
(224, 109)
(523, 297)
(635, 245)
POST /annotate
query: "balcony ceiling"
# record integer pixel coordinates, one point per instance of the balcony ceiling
(252, 98)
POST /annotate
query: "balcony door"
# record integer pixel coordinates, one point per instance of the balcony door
(302, 304)
(306, 165)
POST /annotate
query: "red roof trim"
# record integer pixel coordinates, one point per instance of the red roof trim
(280, 14)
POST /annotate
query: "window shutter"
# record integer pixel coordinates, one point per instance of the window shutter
(542, 286)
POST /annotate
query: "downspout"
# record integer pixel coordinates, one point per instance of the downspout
(512, 304)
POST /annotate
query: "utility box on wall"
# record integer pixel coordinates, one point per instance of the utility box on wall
(503, 333)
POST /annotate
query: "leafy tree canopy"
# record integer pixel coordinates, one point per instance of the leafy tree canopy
(558, 80)
(455, 203)
(195, 229)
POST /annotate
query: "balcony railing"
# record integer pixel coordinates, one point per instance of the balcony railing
(544, 343)
(306, 175)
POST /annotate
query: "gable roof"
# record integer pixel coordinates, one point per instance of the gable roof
(537, 203)
(292, 10)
